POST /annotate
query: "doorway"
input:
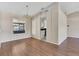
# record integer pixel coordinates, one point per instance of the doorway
(43, 25)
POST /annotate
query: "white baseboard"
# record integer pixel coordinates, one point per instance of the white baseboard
(12, 40)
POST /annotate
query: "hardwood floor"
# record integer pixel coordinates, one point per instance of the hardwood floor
(34, 47)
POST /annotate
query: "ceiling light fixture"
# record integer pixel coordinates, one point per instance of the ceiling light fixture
(27, 12)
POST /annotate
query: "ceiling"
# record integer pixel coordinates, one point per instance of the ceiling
(70, 7)
(20, 7)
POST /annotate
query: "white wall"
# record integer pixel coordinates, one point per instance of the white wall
(56, 25)
(6, 29)
(52, 24)
(73, 21)
(62, 26)
(36, 27)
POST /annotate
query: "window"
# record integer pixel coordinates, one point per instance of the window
(18, 28)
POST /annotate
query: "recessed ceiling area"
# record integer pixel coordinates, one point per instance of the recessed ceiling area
(20, 7)
(70, 7)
